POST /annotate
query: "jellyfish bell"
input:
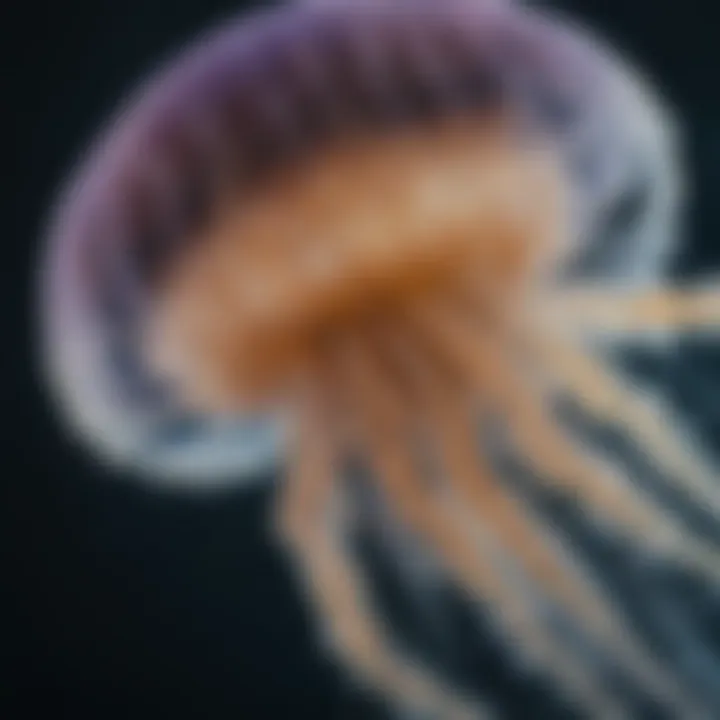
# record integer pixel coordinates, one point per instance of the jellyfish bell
(125, 213)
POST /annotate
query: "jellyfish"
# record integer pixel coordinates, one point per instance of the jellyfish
(391, 235)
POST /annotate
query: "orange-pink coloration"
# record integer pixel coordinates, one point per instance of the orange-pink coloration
(349, 238)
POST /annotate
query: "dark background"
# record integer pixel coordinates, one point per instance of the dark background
(124, 603)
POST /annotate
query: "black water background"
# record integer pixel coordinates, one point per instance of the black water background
(120, 603)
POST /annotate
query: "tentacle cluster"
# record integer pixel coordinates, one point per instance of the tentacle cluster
(417, 382)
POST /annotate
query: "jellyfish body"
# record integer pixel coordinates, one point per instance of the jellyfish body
(374, 226)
